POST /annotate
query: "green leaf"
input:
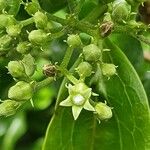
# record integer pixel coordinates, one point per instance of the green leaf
(131, 47)
(15, 131)
(128, 129)
(88, 6)
(50, 6)
(14, 7)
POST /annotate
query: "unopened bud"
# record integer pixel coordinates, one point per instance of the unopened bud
(21, 91)
(38, 37)
(103, 111)
(29, 64)
(23, 47)
(108, 69)
(49, 70)
(32, 8)
(92, 53)
(74, 40)
(9, 107)
(40, 20)
(13, 30)
(84, 69)
(16, 69)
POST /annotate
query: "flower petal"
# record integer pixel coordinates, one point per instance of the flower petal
(76, 111)
(70, 89)
(87, 93)
(88, 106)
(66, 102)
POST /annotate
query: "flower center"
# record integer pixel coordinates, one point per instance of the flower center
(78, 100)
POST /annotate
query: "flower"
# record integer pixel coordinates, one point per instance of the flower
(79, 96)
(103, 111)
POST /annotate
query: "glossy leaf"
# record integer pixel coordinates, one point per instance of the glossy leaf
(50, 6)
(129, 129)
(132, 49)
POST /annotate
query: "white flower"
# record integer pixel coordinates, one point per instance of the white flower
(79, 96)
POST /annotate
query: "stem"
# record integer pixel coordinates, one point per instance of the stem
(122, 29)
(79, 7)
(44, 83)
(85, 27)
(56, 29)
(56, 19)
(27, 22)
(142, 39)
(68, 75)
(80, 25)
(67, 57)
(56, 35)
(35, 1)
(72, 5)
(62, 88)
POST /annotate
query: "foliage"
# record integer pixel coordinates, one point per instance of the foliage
(79, 65)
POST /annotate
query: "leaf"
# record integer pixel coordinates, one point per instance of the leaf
(14, 132)
(88, 6)
(129, 129)
(14, 7)
(132, 49)
(50, 6)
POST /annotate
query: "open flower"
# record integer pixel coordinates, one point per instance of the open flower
(79, 95)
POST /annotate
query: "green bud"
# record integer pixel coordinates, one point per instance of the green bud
(108, 69)
(5, 42)
(85, 38)
(21, 91)
(13, 30)
(29, 64)
(3, 4)
(6, 20)
(121, 11)
(32, 8)
(38, 37)
(92, 53)
(24, 47)
(9, 107)
(84, 69)
(16, 69)
(103, 111)
(74, 40)
(3, 20)
(40, 20)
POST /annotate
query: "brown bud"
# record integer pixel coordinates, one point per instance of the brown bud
(106, 28)
(49, 70)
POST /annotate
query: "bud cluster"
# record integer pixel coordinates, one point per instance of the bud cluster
(80, 95)
(20, 46)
